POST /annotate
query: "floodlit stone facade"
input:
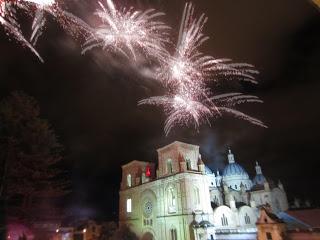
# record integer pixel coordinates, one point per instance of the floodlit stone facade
(183, 199)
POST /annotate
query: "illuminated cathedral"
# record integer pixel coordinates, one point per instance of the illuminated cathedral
(181, 198)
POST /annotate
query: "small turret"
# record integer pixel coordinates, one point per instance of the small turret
(280, 185)
(253, 204)
(258, 168)
(307, 203)
(242, 188)
(218, 179)
(230, 157)
(232, 203)
(297, 203)
(201, 165)
(259, 178)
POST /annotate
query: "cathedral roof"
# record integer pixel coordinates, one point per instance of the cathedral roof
(205, 224)
(234, 169)
(208, 170)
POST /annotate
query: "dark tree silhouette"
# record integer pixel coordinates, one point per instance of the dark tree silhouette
(108, 230)
(30, 153)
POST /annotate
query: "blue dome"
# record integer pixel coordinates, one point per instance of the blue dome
(234, 169)
(259, 179)
(208, 170)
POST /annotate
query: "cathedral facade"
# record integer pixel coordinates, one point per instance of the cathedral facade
(180, 198)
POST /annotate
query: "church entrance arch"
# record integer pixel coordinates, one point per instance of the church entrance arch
(148, 236)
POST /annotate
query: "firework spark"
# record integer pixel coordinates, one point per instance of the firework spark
(37, 9)
(42, 3)
(129, 30)
(180, 110)
(186, 75)
(74, 25)
(39, 18)
(9, 22)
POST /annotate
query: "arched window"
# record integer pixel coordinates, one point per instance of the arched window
(269, 236)
(247, 219)
(173, 234)
(172, 202)
(129, 180)
(172, 197)
(169, 166)
(196, 196)
(129, 205)
(224, 220)
(188, 164)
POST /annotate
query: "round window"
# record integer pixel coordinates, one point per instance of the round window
(148, 208)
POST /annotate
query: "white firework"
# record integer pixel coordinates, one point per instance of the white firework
(9, 21)
(128, 31)
(185, 76)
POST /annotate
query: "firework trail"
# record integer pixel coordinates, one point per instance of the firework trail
(72, 24)
(39, 19)
(185, 76)
(9, 22)
(38, 9)
(180, 110)
(128, 30)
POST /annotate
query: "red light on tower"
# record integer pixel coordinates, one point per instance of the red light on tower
(148, 172)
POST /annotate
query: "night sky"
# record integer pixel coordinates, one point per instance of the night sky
(91, 100)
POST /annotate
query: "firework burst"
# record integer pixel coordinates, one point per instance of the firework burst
(180, 110)
(128, 30)
(184, 74)
(185, 77)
